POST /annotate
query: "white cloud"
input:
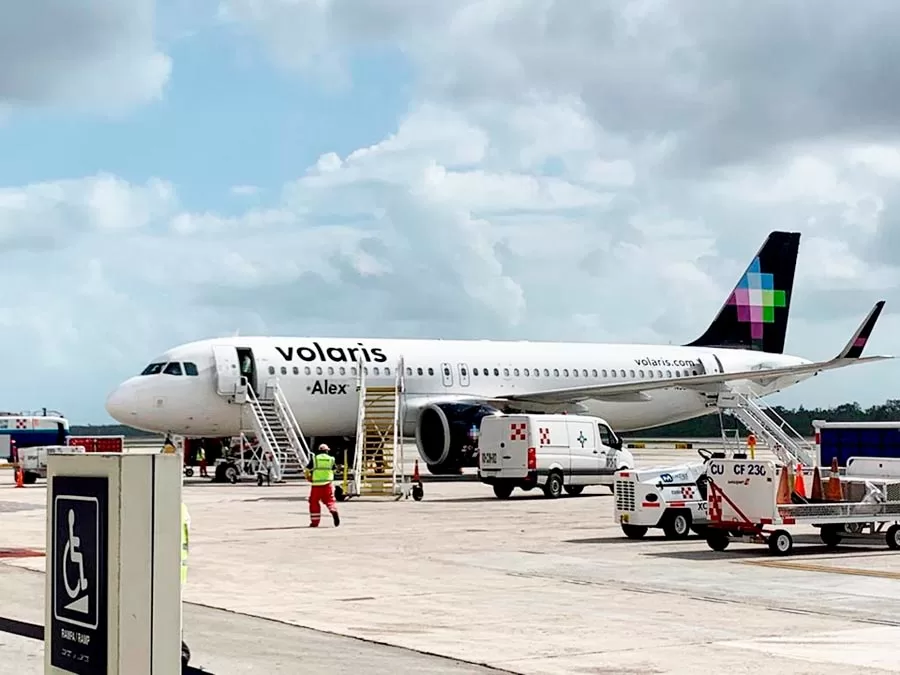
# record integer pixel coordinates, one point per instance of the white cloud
(564, 172)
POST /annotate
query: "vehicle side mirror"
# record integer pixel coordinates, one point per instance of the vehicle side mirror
(616, 443)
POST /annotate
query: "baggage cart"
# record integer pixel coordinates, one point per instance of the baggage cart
(744, 505)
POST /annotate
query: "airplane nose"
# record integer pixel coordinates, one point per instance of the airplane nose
(120, 405)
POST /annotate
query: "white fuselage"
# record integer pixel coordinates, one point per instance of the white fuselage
(318, 378)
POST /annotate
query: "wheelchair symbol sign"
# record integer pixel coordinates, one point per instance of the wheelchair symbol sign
(77, 560)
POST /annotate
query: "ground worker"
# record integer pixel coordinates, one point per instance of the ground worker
(185, 546)
(321, 475)
(201, 457)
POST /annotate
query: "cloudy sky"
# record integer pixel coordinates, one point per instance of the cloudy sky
(527, 169)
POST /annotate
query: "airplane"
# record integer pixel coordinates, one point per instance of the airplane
(450, 385)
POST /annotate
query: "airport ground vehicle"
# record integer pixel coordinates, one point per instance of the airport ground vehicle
(33, 460)
(553, 452)
(750, 501)
(672, 498)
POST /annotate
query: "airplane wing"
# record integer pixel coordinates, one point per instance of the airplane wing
(850, 355)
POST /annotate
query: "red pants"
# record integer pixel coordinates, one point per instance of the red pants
(324, 494)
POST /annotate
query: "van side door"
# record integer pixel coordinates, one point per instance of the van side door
(586, 463)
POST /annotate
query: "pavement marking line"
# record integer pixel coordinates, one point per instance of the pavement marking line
(811, 567)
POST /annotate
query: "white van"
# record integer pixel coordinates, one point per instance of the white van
(554, 452)
(33, 460)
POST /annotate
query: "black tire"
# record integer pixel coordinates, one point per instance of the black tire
(574, 490)
(781, 542)
(338, 493)
(830, 536)
(29, 478)
(418, 492)
(231, 474)
(717, 541)
(677, 524)
(502, 490)
(553, 488)
(893, 537)
(700, 530)
(634, 531)
(188, 471)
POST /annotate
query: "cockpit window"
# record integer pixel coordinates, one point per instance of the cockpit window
(153, 369)
(173, 368)
(190, 368)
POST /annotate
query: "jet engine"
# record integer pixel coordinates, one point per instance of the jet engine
(447, 435)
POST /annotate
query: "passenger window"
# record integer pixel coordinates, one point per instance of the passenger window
(584, 372)
(153, 369)
(190, 369)
(659, 373)
(612, 373)
(331, 370)
(173, 368)
(641, 373)
(462, 371)
(409, 371)
(475, 371)
(506, 372)
(527, 372)
(605, 436)
(296, 370)
(668, 374)
(694, 372)
(283, 370)
(622, 373)
(318, 370)
(374, 370)
(631, 372)
(343, 371)
(565, 372)
(593, 372)
(556, 372)
(650, 374)
(546, 373)
(431, 371)
(365, 370)
(387, 371)
(446, 371)
(353, 370)
(271, 370)
(603, 372)
(420, 371)
(516, 372)
(307, 370)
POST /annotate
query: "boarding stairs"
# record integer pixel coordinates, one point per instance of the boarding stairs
(378, 461)
(277, 430)
(771, 430)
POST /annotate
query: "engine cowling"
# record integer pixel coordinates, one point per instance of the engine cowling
(444, 435)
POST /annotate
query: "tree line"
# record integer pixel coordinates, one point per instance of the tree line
(702, 427)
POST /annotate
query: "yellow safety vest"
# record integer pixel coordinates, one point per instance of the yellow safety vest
(323, 469)
(185, 541)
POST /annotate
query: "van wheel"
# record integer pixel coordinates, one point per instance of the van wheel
(502, 490)
(574, 490)
(554, 486)
(677, 525)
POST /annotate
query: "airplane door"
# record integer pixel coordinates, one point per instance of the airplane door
(228, 372)
(446, 375)
(709, 365)
(463, 374)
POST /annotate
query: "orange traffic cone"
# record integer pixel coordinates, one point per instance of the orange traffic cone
(833, 491)
(415, 475)
(799, 484)
(816, 494)
(783, 496)
(20, 479)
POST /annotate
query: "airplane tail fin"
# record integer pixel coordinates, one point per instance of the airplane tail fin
(854, 348)
(755, 315)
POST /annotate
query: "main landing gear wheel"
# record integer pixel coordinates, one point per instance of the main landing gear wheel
(781, 542)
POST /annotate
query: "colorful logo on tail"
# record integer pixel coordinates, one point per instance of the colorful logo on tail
(756, 298)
